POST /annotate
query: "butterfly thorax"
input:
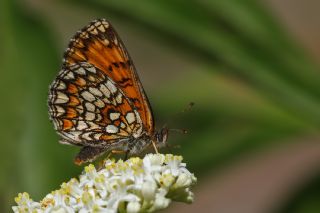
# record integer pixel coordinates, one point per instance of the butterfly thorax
(137, 145)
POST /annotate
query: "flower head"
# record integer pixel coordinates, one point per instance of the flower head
(134, 185)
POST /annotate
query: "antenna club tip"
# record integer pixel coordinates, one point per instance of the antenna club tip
(182, 131)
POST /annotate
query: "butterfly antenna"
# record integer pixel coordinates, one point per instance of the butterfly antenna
(170, 146)
(181, 131)
(186, 109)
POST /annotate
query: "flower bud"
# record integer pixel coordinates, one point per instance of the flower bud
(149, 190)
(161, 202)
(135, 185)
(183, 181)
(59, 210)
(133, 207)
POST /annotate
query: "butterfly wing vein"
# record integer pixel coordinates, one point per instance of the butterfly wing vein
(97, 98)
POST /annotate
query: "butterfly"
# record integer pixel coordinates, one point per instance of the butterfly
(97, 101)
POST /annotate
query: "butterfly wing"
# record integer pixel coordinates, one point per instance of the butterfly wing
(87, 108)
(99, 45)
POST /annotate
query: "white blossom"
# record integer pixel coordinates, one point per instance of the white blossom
(135, 185)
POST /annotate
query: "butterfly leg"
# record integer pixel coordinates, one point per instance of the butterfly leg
(155, 147)
(118, 152)
(88, 154)
(126, 156)
(121, 152)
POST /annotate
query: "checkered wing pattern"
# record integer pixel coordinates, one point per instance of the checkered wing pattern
(99, 45)
(87, 108)
(97, 98)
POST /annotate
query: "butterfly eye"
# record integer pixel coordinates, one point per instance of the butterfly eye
(164, 134)
(161, 137)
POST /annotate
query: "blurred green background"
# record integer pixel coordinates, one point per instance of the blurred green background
(251, 70)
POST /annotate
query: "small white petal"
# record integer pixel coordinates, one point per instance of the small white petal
(59, 210)
(134, 185)
(149, 190)
(133, 207)
(183, 181)
(161, 202)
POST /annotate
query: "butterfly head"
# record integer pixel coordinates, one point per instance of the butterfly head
(161, 137)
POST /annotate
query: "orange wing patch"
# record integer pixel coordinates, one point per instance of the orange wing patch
(99, 45)
(67, 124)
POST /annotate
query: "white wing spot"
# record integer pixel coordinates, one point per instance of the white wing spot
(57, 124)
(106, 42)
(112, 129)
(138, 126)
(99, 103)
(91, 78)
(114, 115)
(61, 85)
(119, 98)
(91, 28)
(59, 111)
(99, 117)
(105, 23)
(93, 125)
(90, 116)
(86, 136)
(82, 125)
(88, 96)
(91, 69)
(138, 131)
(130, 117)
(105, 90)
(74, 135)
(97, 136)
(84, 35)
(106, 100)
(61, 98)
(94, 31)
(111, 87)
(80, 108)
(138, 117)
(90, 107)
(80, 71)
(101, 28)
(115, 41)
(95, 91)
(69, 76)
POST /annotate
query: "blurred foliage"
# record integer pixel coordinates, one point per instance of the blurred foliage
(255, 86)
(307, 200)
(29, 61)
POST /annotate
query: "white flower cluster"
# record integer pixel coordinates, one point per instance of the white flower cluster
(135, 185)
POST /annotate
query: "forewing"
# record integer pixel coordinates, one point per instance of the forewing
(99, 45)
(87, 108)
